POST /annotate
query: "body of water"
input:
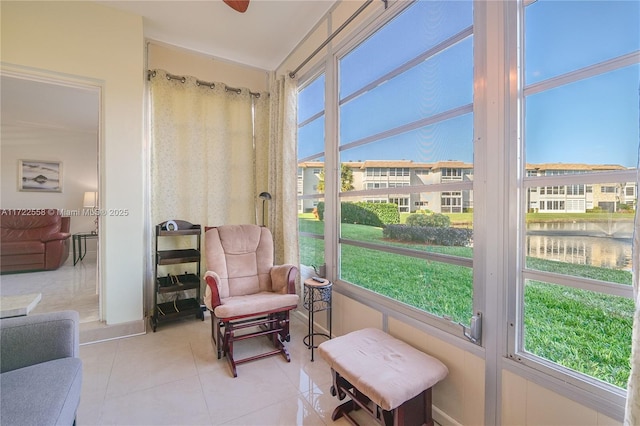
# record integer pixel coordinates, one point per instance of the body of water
(602, 244)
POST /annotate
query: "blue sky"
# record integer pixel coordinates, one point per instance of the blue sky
(595, 120)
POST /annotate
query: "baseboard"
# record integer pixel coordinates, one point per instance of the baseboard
(441, 418)
(98, 331)
(305, 316)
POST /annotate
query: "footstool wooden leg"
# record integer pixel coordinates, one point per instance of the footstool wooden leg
(338, 385)
(416, 411)
(343, 410)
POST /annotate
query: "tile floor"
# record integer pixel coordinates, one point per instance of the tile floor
(68, 287)
(173, 377)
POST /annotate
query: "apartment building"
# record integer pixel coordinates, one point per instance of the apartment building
(578, 198)
(379, 175)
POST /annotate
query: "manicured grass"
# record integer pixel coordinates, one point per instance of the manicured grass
(435, 287)
(579, 217)
(582, 330)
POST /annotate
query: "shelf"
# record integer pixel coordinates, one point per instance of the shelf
(171, 257)
(172, 286)
(185, 307)
(188, 281)
(180, 232)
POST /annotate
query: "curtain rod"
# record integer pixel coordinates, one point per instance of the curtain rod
(333, 34)
(183, 79)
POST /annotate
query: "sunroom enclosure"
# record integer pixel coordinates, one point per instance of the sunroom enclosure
(523, 133)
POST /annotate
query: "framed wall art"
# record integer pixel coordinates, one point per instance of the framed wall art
(39, 176)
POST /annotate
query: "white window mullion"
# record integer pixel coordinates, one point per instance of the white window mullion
(332, 169)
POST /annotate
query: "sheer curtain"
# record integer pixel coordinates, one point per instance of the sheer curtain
(214, 150)
(278, 163)
(202, 154)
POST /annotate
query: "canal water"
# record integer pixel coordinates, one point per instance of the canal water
(602, 244)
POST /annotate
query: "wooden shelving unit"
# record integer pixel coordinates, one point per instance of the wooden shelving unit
(175, 283)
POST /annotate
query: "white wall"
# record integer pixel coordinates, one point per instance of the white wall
(179, 61)
(86, 42)
(79, 156)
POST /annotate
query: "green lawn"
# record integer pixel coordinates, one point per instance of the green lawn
(585, 217)
(582, 330)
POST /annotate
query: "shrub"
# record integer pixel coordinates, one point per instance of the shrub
(436, 220)
(441, 236)
(372, 214)
(387, 212)
(320, 211)
(625, 207)
(357, 213)
(423, 211)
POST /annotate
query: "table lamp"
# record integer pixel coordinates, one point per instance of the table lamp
(91, 202)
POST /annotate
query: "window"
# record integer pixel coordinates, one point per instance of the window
(403, 204)
(575, 190)
(580, 110)
(402, 123)
(403, 105)
(376, 171)
(374, 185)
(311, 117)
(630, 191)
(396, 171)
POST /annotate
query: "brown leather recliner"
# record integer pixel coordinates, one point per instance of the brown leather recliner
(33, 239)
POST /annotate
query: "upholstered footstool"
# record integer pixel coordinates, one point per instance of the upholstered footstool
(382, 375)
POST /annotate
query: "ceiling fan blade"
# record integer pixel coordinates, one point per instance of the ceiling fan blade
(239, 5)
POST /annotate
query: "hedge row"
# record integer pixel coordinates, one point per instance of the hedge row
(429, 235)
(437, 220)
(362, 213)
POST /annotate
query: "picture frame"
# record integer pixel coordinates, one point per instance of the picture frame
(39, 176)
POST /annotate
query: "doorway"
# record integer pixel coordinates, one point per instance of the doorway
(51, 119)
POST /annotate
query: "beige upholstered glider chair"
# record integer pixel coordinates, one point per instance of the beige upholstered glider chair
(246, 294)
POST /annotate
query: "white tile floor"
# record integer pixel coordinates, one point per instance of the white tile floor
(173, 377)
(68, 287)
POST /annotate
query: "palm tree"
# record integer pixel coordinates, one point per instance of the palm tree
(346, 179)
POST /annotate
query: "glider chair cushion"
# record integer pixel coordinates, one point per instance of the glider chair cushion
(246, 294)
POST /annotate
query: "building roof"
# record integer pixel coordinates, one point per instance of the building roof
(454, 164)
(394, 163)
(451, 164)
(573, 166)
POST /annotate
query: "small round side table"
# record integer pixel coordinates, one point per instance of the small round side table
(317, 298)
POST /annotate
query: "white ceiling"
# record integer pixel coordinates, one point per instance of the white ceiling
(261, 37)
(31, 109)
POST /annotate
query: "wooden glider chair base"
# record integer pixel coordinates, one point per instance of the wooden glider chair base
(274, 325)
(388, 379)
(248, 296)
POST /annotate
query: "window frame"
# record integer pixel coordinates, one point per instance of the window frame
(604, 397)
(342, 50)
(496, 262)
